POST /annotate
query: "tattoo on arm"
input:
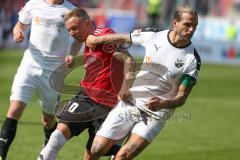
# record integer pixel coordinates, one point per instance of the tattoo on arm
(180, 98)
(129, 67)
(113, 38)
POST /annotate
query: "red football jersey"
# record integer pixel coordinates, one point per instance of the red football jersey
(104, 74)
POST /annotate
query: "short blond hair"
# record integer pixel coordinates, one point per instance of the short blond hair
(184, 9)
(77, 12)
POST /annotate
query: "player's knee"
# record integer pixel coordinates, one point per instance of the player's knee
(122, 155)
(97, 150)
(15, 110)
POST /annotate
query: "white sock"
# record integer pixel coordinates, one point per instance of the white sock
(55, 143)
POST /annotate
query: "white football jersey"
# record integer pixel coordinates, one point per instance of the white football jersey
(49, 37)
(163, 66)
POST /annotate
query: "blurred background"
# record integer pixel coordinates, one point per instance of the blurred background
(217, 36)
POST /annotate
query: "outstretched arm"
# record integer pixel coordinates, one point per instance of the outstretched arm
(92, 41)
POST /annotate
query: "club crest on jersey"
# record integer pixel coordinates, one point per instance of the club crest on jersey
(179, 63)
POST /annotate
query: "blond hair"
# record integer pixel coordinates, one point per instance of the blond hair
(77, 12)
(184, 9)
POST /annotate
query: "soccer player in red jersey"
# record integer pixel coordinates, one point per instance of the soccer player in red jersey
(98, 87)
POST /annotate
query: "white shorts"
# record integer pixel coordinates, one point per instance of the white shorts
(31, 77)
(125, 118)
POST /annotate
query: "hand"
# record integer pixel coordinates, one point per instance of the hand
(125, 95)
(69, 59)
(18, 36)
(155, 103)
(91, 42)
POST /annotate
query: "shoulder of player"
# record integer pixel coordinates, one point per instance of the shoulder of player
(151, 29)
(102, 31)
(198, 58)
(33, 2)
(193, 56)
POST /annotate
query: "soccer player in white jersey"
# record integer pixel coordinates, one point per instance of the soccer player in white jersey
(169, 71)
(48, 46)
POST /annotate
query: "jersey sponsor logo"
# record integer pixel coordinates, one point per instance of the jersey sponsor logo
(48, 22)
(179, 63)
(148, 59)
(37, 20)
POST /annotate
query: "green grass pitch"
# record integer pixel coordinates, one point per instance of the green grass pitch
(205, 128)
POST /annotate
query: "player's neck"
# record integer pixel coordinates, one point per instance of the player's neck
(177, 41)
(54, 1)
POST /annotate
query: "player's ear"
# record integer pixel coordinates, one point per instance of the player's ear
(174, 23)
(88, 22)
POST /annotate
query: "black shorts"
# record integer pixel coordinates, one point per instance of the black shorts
(85, 107)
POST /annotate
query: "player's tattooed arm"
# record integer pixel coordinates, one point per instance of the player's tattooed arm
(156, 103)
(92, 41)
(129, 74)
(18, 32)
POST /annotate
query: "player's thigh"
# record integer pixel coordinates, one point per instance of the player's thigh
(24, 84)
(135, 145)
(49, 98)
(92, 130)
(150, 127)
(117, 124)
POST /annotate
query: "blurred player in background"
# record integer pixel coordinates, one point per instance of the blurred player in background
(169, 71)
(48, 46)
(98, 91)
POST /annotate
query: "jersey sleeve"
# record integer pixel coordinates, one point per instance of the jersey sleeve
(194, 66)
(141, 36)
(25, 14)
